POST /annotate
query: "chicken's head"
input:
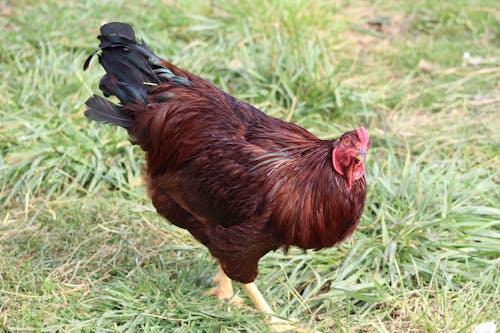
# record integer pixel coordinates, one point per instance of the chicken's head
(349, 154)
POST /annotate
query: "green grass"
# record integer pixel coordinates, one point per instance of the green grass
(81, 248)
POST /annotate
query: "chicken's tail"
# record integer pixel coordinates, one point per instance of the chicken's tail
(131, 69)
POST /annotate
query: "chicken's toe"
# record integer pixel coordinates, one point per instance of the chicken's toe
(224, 289)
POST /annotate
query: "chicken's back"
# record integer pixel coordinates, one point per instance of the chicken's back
(199, 171)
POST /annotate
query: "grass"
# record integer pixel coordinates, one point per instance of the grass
(81, 248)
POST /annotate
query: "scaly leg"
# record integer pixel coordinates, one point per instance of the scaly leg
(276, 324)
(224, 288)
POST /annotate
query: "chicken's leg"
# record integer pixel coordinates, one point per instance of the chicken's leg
(276, 324)
(224, 288)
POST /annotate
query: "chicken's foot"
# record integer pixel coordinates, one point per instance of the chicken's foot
(224, 289)
(276, 324)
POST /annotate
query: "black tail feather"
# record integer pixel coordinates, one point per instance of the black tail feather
(118, 28)
(128, 66)
(131, 69)
(126, 59)
(101, 110)
(125, 92)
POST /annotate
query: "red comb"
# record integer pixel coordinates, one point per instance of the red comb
(363, 136)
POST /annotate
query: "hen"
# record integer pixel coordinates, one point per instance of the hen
(241, 182)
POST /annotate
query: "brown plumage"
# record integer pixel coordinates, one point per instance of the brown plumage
(241, 182)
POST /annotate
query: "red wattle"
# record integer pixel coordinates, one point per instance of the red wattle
(336, 162)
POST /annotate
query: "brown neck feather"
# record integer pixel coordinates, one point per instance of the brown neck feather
(313, 206)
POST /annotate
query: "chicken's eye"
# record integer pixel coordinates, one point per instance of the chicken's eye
(347, 141)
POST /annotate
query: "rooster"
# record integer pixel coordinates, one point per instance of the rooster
(241, 182)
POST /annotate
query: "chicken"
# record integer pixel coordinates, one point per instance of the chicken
(241, 182)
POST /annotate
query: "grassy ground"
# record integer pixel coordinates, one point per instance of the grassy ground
(81, 248)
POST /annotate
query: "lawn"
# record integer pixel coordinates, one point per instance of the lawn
(82, 249)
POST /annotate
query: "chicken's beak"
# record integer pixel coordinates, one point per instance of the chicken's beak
(360, 156)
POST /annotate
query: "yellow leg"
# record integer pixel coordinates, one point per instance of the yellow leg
(276, 324)
(224, 288)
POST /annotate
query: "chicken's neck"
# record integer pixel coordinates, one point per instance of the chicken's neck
(313, 204)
